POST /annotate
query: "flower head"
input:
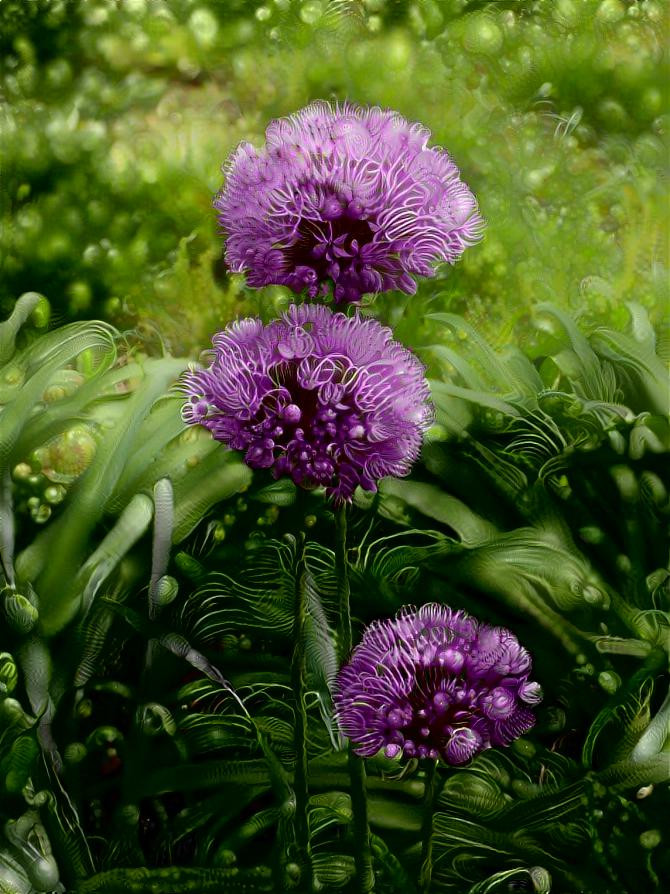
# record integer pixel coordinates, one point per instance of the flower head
(344, 198)
(435, 683)
(327, 399)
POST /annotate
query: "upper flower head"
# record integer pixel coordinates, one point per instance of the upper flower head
(435, 683)
(326, 399)
(347, 198)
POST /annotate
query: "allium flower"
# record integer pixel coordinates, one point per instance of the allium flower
(344, 198)
(326, 399)
(435, 683)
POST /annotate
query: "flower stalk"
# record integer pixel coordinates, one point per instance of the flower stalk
(426, 872)
(365, 879)
(298, 672)
(343, 588)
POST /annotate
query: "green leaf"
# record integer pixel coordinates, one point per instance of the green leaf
(435, 503)
(51, 561)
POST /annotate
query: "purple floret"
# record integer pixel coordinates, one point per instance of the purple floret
(324, 398)
(344, 199)
(435, 683)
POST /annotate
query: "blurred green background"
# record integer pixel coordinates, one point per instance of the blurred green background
(117, 116)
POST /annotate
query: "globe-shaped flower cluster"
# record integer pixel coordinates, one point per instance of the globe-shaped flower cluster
(344, 200)
(324, 398)
(435, 683)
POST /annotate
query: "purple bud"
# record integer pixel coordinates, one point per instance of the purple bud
(531, 693)
(291, 413)
(498, 703)
(463, 745)
(451, 660)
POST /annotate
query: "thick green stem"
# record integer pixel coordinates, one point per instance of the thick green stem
(298, 672)
(365, 879)
(427, 828)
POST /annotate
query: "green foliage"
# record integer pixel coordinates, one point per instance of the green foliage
(157, 730)
(117, 118)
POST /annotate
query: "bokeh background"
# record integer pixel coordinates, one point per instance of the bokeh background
(117, 116)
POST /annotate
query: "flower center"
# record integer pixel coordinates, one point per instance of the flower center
(330, 250)
(434, 722)
(301, 431)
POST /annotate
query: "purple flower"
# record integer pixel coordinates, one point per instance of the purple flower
(327, 399)
(435, 683)
(347, 198)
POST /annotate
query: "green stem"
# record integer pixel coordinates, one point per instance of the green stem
(427, 827)
(342, 575)
(298, 672)
(365, 879)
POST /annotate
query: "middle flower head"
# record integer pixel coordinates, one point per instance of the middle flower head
(324, 398)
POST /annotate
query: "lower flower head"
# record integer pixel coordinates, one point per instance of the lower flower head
(435, 683)
(324, 398)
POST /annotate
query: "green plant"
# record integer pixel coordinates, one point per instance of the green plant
(148, 736)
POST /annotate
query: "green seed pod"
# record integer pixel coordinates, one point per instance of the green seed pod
(13, 375)
(166, 590)
(41, 514)
(22, 472)
(626, 482)
(592, 534)
(524, 747)
(218, 532)
(84, 708)
(21, 615)
(650, 839)
(74, 753)
(609, 681)
(55, 494)
(8, 674)
(53, 393)
(68, 455)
